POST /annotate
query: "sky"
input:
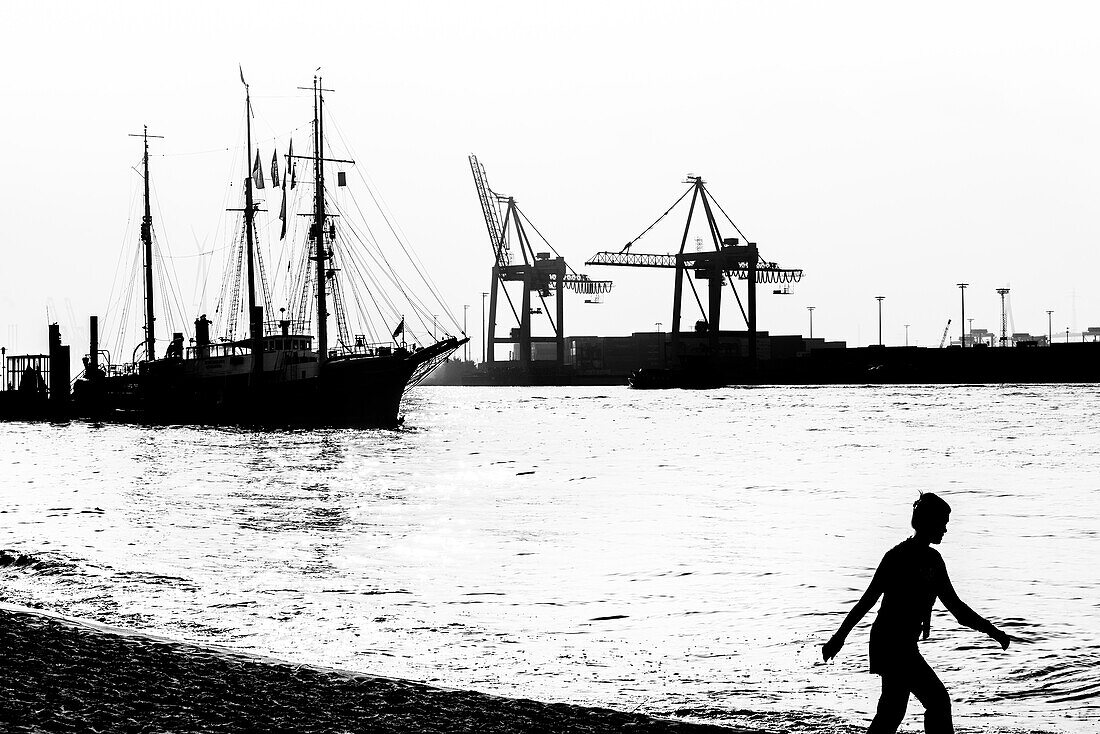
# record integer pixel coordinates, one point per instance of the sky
(886, 149)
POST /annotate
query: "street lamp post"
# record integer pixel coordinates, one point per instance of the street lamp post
(1050, 329)
(970, 330)
(962, 323)
(879, 299)
(483, 296)
(811, 310)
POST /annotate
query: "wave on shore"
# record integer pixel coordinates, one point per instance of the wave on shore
(62, 675)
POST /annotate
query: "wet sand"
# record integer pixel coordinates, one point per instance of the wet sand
(60, 675)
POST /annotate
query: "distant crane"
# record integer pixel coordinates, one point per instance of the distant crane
(539, 274)
(728, 261)
(943, 338)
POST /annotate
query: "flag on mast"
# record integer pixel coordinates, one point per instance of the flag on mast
(274, 170)
(258, 172)
(289, 161)
(282, 214)
(400, 328)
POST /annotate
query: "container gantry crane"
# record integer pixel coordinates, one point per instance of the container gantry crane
(729, 260)
(539, 273)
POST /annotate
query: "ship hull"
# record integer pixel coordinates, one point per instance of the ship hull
(351, 390)
(878, 365)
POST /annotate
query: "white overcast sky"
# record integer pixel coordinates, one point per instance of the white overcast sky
(888, 149)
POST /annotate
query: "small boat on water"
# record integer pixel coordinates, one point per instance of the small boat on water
(289, 371)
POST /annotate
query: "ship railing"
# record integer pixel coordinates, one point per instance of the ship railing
(293, 326)
(295, 342)
(119, 370)
(230, 349)
(361, 347)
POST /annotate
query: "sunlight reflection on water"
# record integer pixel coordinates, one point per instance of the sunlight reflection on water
(673, 551)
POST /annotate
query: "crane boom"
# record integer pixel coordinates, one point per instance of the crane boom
(944, 337)
(580, 283)
(489, 210)
(766, 272)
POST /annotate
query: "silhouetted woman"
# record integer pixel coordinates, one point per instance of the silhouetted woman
(910, 577)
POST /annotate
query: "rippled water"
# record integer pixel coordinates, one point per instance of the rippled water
(679, 553)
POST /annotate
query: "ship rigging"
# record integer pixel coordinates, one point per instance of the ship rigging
(289, 370)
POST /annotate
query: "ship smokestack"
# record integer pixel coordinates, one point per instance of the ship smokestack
(93, 344)
(202, 336)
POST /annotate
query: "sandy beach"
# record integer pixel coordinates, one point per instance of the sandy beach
(60, 675)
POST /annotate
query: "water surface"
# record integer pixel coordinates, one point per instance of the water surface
(675, 552)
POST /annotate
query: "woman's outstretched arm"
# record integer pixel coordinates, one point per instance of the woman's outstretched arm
(874, 591)
(967, 616)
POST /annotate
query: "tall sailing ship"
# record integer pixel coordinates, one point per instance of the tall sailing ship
(280, 372)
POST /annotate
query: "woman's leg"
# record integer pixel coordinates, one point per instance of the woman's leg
(930, 691)
(891, 704)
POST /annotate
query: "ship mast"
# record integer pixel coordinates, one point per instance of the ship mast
(319, 221)
(147, 249)
(317, 230)
(249, 213)
(255, 315)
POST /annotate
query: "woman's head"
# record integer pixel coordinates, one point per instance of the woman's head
(930, 516)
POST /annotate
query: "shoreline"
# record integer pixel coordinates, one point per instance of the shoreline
(65, 675)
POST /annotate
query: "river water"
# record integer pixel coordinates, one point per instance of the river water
(679, 553)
